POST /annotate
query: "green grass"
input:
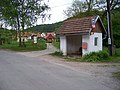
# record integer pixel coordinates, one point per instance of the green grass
(56, 53)
(29, 46)
(56, 44)
(116, 57)
(117, 51)
(117, 74)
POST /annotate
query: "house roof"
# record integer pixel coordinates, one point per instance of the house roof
(25, 34)
(38, 35)
(49, 36)
(79, 25)
(33, 34)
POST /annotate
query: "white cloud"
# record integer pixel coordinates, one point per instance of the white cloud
(57, 7)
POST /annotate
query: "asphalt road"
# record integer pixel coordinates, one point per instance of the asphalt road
(18, 72)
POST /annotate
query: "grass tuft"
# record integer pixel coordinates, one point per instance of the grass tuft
(117, 74)
(56, 53)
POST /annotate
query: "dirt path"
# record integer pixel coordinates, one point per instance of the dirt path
(101, 72)
(50, 49)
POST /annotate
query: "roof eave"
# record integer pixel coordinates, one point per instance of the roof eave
(98, 17)
(80, 33)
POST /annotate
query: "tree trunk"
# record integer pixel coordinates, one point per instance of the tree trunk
(23, 24)
(0, 40)
(20, 44)
(89, 4)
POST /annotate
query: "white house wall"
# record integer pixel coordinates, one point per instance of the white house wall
(63, 44)
(25, 39)
(89, 39)
(74, 42)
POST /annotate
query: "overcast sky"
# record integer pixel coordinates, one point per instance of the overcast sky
(57, 7)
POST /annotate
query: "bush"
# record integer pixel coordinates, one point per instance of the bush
(103, 55)
(96, 56)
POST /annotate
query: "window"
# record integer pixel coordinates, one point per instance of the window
(96, 41)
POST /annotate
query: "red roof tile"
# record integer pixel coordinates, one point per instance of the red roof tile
(38, 35)
(79, 25)
(25, 34)
(49, 36)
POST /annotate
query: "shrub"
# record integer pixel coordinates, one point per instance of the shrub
(96, 56)
(117, 51)
(103, 55)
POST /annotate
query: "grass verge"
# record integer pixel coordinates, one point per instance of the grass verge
(56, 53)
(56, 44)
(29, 47)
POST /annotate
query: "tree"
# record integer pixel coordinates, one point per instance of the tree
(80, 6)
(22, 13)
(90, 5)
(101, 4)
(76, 7)
(113, 4)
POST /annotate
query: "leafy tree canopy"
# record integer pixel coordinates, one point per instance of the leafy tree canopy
(22, 13)
(79, 6)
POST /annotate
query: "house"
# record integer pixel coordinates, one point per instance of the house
(24, 35)
(34, 38)
(82, 35)
(39, 35)
(49, 38)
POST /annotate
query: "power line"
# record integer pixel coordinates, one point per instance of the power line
(62, 5)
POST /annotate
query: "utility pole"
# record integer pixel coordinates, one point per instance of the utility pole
(110, 36)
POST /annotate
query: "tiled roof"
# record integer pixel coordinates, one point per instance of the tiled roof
(38, 35)
(49, 36)
(25, 34)
(79, 25)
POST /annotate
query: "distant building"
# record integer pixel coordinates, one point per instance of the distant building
(24, 35)
(50, 37)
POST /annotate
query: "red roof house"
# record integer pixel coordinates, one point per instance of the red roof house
(49, 38)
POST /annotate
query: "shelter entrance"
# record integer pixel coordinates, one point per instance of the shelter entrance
(74, 44)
